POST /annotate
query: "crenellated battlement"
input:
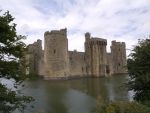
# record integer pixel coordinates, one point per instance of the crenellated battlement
(56, 32)
(118, 43)
(99, 41)
(94, 40)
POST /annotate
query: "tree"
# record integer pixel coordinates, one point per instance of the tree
(139, 71)
(11, 65)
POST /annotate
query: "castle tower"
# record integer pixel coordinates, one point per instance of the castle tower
(87, 53)
(56, 53)
(95, 54)
(118, 52)
(34, 57)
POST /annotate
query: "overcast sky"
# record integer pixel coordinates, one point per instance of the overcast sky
(120, 20)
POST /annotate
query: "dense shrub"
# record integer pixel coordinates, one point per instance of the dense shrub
(139, 71)
(122, 107)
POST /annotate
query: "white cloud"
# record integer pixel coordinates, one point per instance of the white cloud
(121, 20)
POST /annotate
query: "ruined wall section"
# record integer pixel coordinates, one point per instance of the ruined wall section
(56, 53)
(118, 51)
(95, 51)
(34, 55)
(77, 64)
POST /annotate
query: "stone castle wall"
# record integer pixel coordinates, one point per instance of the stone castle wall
(77, 64)
(55, 61)
(109, 66)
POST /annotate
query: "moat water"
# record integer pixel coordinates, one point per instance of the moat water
(75, 96)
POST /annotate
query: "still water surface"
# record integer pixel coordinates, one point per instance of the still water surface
(75, 96)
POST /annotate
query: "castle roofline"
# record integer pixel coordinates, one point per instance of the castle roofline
(98, 39)
(76, 53)
(114, 42)
(54, 32)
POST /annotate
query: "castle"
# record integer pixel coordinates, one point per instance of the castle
(55, 61)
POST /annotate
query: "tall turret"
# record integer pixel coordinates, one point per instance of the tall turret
(56, 53)
(95, 55)
(118, 52)
(87, 53)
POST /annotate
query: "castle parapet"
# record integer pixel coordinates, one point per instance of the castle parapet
(56, 32)
(118, 43)
(99, 41)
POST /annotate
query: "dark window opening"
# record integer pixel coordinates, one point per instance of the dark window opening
(70, 58)
(82, 69)
(54, 51)
(107, 69)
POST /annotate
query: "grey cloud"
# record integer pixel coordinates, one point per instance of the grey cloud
(122, 20)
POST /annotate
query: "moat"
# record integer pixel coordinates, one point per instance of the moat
(75, 96)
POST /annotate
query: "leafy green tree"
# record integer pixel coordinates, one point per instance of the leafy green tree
(139, 71)
(11, 65)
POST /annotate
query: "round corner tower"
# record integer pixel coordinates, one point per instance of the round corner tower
(56, 53)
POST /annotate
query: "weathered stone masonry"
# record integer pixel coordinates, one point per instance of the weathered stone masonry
(55, 61)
